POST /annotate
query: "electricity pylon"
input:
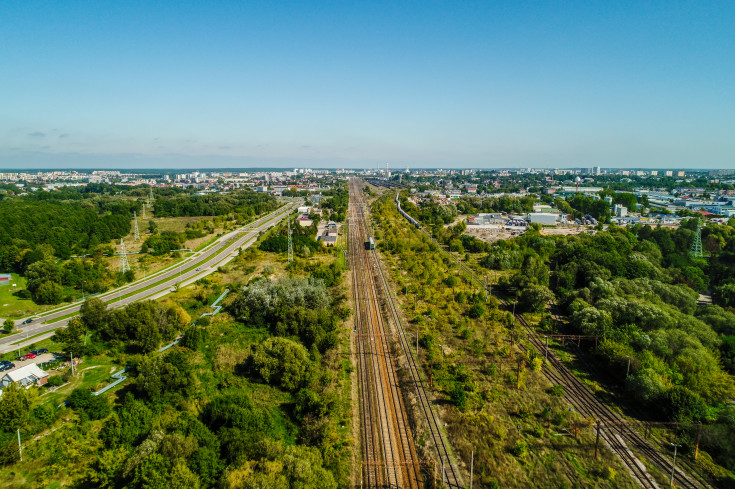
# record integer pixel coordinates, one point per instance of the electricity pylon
(135, 221)
(124, 265)
(143, 217)
(290, 242)
(696, 251)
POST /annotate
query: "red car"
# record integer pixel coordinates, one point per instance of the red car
(28, 356)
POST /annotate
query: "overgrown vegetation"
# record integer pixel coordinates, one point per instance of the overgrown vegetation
(256, 398)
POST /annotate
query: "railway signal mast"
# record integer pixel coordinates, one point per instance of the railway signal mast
(124, 265)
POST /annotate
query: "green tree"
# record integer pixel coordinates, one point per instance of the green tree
(49, 293)
(281, 362)
(15, 406)
(94, 313)
(8, 326)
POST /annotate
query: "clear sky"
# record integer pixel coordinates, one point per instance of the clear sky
(345, 84)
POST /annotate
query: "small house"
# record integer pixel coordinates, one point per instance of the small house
(30, 374)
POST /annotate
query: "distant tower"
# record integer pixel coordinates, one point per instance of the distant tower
(696, 251)
(150, 196)
(290, 242)
(143, 217)
(136, 231)
(124, 265)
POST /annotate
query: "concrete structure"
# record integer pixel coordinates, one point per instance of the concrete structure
(328, 240)
(30, 374)
(620, 210)
(304, 209)
(545, 218)
(5, 278)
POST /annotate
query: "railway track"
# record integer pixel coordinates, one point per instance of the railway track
(616, 431)
(389, 453)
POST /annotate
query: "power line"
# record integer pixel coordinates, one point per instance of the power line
(135, 220)
(124, 265)
(696, 251)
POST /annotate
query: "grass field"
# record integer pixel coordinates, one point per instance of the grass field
(12, 306)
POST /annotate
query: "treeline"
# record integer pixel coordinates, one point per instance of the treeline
(514, 205)
(240, 205)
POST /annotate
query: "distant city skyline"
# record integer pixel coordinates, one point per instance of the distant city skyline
(331, 85)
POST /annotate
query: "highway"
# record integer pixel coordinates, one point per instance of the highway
(194, 267)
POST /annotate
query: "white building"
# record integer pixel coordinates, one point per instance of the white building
(546, 218)
(30, 374)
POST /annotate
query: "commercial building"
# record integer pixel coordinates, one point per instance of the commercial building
(545, 218)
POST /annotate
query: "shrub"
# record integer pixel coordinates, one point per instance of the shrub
(557, 391)
(55, 381)
(520, 449)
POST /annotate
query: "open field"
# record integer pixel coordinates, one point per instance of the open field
(12, 306)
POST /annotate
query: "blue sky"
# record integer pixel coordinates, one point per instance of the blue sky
(350, 84)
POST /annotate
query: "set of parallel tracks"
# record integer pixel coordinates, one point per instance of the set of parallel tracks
(615, 430)
(389, 453)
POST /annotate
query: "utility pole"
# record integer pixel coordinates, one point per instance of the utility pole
(472, 466)
(597, 440)
(20, 448)
(673, 465)
(627, 372)
(72, 363)
(290, 241)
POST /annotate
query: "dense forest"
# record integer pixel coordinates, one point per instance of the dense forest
(241, 205)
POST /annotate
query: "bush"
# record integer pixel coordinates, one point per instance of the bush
(55, 381)
(520, 449)
(8, 326)
(557, 391)
(476, 311)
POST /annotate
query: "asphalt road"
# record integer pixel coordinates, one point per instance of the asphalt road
(207, 262)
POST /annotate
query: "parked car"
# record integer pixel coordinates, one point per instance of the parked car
(29, 320)
(40, 351)
(29, 356)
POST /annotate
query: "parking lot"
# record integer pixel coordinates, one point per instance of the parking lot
(43, 358)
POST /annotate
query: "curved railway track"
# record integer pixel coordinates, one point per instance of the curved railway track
(616, 431)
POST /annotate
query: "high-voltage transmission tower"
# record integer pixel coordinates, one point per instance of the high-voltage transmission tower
(696, 251)
(143, 216)
(290, 242)
(124, 265)
(136, 230)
